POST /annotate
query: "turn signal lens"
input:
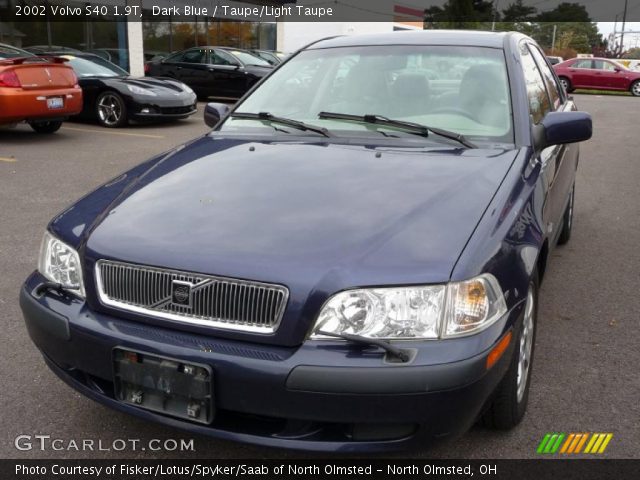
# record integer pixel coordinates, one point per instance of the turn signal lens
(473, 305)
(496, 353)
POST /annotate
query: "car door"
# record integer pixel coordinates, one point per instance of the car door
(231, 76)
(557, 163)
(581, 72)
(611, 76)
(188, 67)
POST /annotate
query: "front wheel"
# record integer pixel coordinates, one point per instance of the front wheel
(509, 402)
(111, 110)
(635, 88)
(46, 127)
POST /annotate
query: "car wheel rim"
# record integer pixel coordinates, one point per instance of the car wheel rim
(526, 346)
(109, 110)
(565, 84)
(636, 89)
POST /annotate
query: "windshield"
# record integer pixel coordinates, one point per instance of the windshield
(461, 89)
(95, 67)
(249, 58)
(10, 52)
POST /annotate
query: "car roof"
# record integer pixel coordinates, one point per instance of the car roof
(475, 38)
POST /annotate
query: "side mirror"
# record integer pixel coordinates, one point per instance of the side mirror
(558, 128)
(617, 69)
(213, 112)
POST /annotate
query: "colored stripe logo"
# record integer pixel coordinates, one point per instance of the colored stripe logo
(572, 443)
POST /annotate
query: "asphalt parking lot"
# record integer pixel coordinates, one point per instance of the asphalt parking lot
(585, 376)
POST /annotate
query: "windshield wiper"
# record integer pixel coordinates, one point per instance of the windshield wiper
(383, 344)
(410, 127)
(283, 121)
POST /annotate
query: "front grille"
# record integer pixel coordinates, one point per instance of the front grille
(177, 110)
(203, 300)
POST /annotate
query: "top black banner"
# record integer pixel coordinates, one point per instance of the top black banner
(453, 13)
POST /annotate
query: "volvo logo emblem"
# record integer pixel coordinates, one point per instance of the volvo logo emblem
(181, 293)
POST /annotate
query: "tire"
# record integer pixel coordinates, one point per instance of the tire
(509, 401)
(635, 88)
(567, 220)
(566, 83)
(111, 110)
(46, 127)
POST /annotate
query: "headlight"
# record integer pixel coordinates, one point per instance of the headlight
(140, 91)
(60, 263)
(427, 312)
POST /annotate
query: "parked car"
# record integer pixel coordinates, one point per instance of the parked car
(113, 97)
(597, 74)
(43, 49)
(272, 57)
(340, 264)
(553, 60)
(219, 72)
(41, 92)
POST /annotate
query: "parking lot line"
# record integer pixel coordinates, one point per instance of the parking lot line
(8, 159)
(143, 135)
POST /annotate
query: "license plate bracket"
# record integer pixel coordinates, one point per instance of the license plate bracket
(165, 385)
(54, 103)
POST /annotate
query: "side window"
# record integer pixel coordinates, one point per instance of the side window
(176, 57)
(220, 57)
(193, 56)
(583, 63)
(539, 103)
(604, 65)
(550, 80)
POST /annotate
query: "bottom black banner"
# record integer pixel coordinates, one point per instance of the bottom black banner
(317, 469)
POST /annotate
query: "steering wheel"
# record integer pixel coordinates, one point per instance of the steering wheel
(456, 110)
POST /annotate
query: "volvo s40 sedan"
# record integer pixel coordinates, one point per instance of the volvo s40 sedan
(349, 260)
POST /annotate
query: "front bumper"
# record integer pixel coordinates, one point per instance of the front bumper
(326, 396)
(182, 106)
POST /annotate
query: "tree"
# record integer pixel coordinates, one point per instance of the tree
(633, 53)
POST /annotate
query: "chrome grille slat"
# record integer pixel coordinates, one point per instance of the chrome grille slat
(216, 301)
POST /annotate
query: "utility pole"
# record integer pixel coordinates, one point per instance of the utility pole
(495, 14)
(553, 39)
(624, 21)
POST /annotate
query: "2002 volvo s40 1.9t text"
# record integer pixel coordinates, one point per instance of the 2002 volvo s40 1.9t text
(350, 260)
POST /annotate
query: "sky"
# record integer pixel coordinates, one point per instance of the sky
(630, 40)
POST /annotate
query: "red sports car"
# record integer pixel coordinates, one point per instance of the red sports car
(597, 74)
(41, 92)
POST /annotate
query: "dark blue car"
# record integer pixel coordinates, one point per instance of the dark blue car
(349, 261)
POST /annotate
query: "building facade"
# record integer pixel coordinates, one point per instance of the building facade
(130, 43)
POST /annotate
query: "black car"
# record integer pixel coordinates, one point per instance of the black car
(218, 72)
(274, 58)
(113, 97)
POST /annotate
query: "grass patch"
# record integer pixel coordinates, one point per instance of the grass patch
(602, 92)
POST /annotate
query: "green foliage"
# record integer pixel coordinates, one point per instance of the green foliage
(633, 53)
(580, 34)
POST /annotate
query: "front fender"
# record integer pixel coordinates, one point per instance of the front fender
(510, 236)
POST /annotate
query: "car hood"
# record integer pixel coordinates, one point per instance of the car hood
(299, 214)
(160, 86)
(315, 217)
